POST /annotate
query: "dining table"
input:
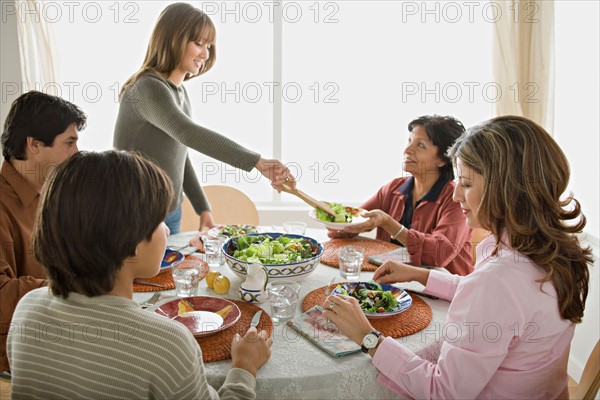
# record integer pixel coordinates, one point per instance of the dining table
(297, 369)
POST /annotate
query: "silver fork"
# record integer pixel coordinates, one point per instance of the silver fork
(151, 301)
(328, 289)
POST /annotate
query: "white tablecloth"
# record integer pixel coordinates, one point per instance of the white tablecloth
(299, 370)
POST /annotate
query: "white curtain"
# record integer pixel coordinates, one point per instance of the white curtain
(523, 59)
(36, 47)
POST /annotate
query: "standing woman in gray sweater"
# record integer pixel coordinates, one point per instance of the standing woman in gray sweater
(155, 112)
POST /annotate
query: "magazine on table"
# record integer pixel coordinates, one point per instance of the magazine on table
(399, 255)
(323, 333)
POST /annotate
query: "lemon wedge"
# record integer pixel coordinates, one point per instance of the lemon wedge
(223, 312)
(183, 308)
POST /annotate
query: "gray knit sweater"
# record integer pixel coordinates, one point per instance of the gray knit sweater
(155, 118)
(106, 347)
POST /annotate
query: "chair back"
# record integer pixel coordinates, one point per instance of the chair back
(590, 378)
(229, 206)
(190, 221)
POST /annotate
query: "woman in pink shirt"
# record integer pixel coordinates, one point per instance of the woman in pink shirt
(417, 211)
(511, 321)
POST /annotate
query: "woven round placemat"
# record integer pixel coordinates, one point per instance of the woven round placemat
(372, 247)
(217, 347)
(409, 322)
(165, 279)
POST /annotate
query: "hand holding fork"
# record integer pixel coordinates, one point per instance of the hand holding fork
(329, 287)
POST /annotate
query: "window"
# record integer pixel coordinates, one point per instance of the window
(367, 69)
(328, 87)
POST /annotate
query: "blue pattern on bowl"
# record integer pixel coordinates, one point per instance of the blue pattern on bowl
(292, 271)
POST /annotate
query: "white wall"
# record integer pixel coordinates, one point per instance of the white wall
(577, 127)
(10, 68)
(588, 332)
(577, 131)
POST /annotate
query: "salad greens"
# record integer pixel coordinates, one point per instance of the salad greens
(342, 214)
(236, 230)
(372, 299)
(264, 249)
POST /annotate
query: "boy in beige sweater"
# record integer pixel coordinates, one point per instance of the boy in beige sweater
(100, 225)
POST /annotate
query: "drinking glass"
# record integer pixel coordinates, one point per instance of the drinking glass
(294, 227)
(351, 259)
(283, 298)
(186, 274)
(212, 250)
(221, 241)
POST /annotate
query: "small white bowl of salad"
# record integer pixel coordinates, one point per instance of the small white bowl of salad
(286, 256)
(344, 216)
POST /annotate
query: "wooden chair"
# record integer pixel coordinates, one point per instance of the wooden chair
(190, 221)
(229, 206)
(4, 388)
(590, 378)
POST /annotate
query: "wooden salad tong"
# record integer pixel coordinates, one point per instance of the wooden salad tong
(307, 199)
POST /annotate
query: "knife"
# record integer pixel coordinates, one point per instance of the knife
(422, 294)
(255, 319)
(179, 249)
(148, 283)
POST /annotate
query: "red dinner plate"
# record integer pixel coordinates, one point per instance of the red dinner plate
(202, 321)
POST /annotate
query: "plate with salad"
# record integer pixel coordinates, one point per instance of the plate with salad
(377, 300)
(344, 216)
(169, 258)
(227, 231)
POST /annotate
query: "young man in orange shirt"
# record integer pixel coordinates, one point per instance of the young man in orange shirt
(40, 132)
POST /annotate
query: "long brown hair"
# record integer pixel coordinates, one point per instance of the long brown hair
(94, 211)
(525, 174)
(177, 25)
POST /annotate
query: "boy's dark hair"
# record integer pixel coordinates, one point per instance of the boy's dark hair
(95, 209)
(443, 132)
(41, 116)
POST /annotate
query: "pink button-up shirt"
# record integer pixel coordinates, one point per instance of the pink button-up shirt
(503, 336)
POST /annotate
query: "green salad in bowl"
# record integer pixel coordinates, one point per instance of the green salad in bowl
(265, 249)
(286, 256)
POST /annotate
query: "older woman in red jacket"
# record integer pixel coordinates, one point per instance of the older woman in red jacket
(417, 211)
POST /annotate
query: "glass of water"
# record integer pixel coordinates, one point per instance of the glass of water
(294, 227)
(222, 241)
(351, 259)
(283, 298)
(212, 250)
(186, 274)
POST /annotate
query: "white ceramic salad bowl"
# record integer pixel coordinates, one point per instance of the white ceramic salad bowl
(294, 271)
